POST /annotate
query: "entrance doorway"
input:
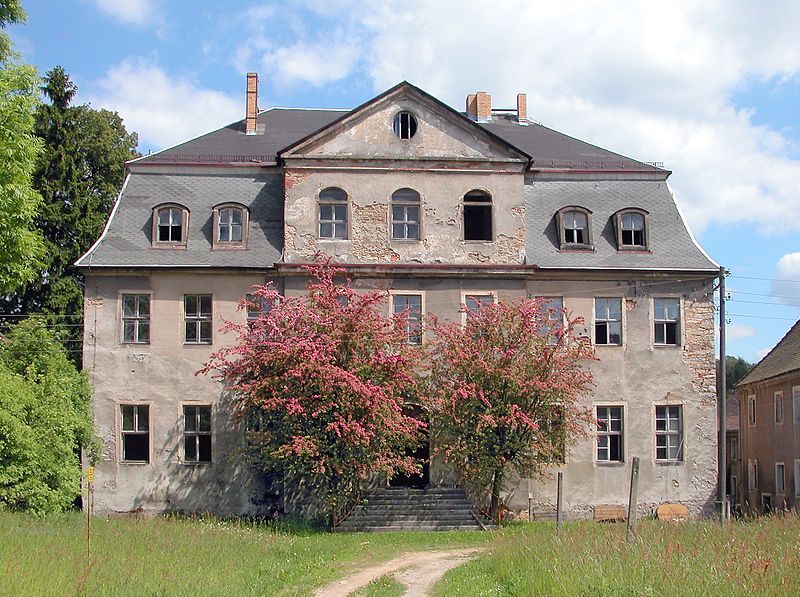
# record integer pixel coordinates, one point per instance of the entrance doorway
(421, 455)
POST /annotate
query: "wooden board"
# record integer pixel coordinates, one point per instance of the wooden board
(610, 513)
(673, 512)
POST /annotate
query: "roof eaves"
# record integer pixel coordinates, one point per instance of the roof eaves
(106, 227)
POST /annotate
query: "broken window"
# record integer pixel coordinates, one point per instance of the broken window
(608, 321)
(666, 321)
(609, 434)
(170, 225)
(333, 213)
(197, 434)
(411, 305)
(135, 432)
(197, 318)
(478, 216)
(632, 229)
(669, 433)
(405, 214)
(574, 228)
(231, 225)
(136, 318)
(404, 125)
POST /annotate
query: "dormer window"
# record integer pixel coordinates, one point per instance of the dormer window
(333, 214)
(405, 214)
(404, 125)
(631, 226)
(230, 226)
(170, 223)
(478, 216)
(574, 228)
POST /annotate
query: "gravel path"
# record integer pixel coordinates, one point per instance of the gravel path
(418, 571)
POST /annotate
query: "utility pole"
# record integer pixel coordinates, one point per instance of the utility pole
(723, 414)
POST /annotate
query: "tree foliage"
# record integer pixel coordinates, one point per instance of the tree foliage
(325, 376)
(504, 391)
(735, 370)
(44, 421)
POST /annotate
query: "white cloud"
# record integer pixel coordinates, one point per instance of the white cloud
(786, 288)
(316, 64)
(163, 108)
(738, 331)
(130, 12)
(762, 352)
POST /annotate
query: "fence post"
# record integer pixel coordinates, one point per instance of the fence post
(633, 500)
(560, 501)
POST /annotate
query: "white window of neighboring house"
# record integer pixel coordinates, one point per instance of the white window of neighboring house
(405, 215)
(778, 406)
(135, 432)
(411, 304)
(796, 404)
(669, 433)
(797, 477)
(751, 410)
(734, 448)
(333, 214)
(136, 318)
(196, 434)
(752, 474)
(553, 310)
(197, 318)
(608, 321)
(666, 321)
(780, 478)
(478, 216)
(610, 433)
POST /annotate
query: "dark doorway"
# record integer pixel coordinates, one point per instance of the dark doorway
(422, 455)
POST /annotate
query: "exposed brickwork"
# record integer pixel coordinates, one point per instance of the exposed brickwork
(698, 351)
(522, 108)
(483, 104)
(370, 235)
(294, 177)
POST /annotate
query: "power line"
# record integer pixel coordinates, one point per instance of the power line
(765, 279)
(762, 317)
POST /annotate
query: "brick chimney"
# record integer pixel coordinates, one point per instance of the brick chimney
(472, 109)
(251, 105)
(522, 109)
(483, 106)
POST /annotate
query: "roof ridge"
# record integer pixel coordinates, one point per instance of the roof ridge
(762, 364)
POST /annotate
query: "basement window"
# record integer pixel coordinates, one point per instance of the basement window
(404, 125)
(135, 432)
(478, 216)
(196, 434)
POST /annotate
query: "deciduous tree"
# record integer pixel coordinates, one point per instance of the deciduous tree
(505, 389)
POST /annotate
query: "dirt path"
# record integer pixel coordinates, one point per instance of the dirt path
(418, 571)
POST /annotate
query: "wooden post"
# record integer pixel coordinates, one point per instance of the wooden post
(89, 480)
(633, 500)
(560, 501)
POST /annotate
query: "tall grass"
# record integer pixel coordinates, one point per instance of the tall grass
(743, 558)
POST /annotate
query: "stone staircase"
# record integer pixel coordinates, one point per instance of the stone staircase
(400, 509)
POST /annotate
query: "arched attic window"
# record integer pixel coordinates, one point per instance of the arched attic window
(574, 227)
(230, 226)
(478, 216)
(632, 229)
(170, 226)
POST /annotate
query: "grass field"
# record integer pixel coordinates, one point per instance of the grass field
(171, 556)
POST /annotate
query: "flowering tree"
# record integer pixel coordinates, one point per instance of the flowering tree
(504, 390)
(324, 377)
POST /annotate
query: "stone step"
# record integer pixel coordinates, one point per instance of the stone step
(410, 527)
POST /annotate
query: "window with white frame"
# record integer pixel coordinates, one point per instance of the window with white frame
(631, 228)
(780, 478)
(609, 433)
(196, 433)
(197, 318)
(666, 321)
(574, 224)
(256, 305)
(777, 402)
(476, 302)
(405, 215)
(333, 214)
(669, 433)
(230, 226)
(136, 318)
(751, 410)
(404, 125)
(135, 432)
(169, 226)
(553, 315)
(796, 404)
(797, 477)
(410, 306)
(608, 321)
(752, 474)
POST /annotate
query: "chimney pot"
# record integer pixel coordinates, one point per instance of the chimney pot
(522, 108)
(483, 105)
(251, 104)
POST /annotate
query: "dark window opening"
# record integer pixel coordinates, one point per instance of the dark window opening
(609, 434)
(170, 225)
(608, 321)
(632, 229)
(477, 216)
(405, 125)
(197, 318)
(197, 433)
(666, 321)
(135, 433)
(576, 228)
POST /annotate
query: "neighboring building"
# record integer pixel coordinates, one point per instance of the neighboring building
(732, 452)
(769, 430)
(440, 207)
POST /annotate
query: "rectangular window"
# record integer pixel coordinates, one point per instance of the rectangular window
(197, 318)
(553, 311)
(136, 318)
(609, 434)
(733, 490)
(752, 474)
(751, 410)
(556, 444)
(734, 448)
(197, 434)
(797, 478)
(777, 400)
(780, 478)
(666, 321)
(135, 432)
(256, 305)
(796, 404)
(405, 222)
(669, 433)
(333, 220)
(411, 305)
(475, 302)
(608, 321)
(766, 503)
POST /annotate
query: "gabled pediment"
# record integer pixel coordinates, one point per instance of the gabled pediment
(374, 131)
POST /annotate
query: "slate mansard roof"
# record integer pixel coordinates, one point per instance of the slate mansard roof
(126, 239)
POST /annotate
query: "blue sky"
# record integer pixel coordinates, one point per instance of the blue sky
(712, 89)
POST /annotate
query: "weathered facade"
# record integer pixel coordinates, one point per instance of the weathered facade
(769, 430)
(436, 206)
